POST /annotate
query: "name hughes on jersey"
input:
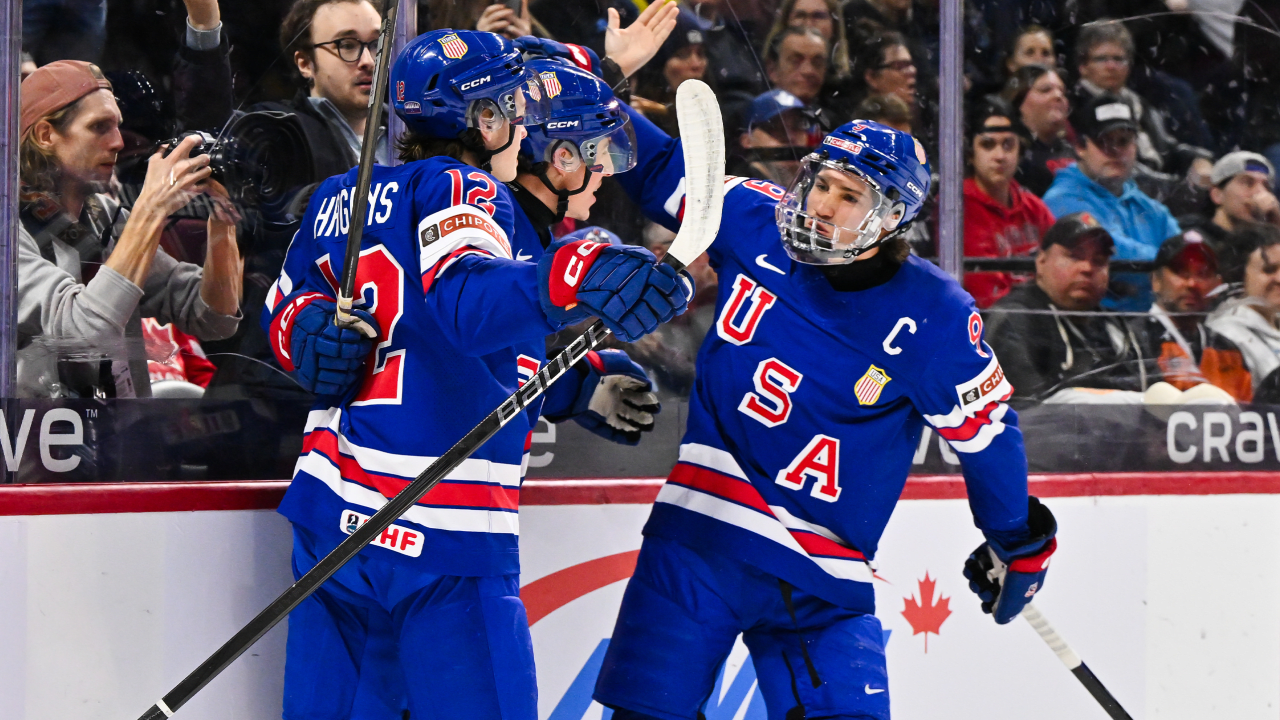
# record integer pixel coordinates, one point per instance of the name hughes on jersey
(334, 214)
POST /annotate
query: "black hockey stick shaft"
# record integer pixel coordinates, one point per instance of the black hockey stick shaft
(1074, 663)
(368, 150)
(381, 520)
(1100, 692)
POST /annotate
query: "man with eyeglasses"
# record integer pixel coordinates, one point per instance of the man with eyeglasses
(1101, 182)
(1104, 58)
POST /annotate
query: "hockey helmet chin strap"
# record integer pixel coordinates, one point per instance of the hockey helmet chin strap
(485, 156)
(562, 196)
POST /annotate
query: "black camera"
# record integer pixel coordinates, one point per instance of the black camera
(262, 158)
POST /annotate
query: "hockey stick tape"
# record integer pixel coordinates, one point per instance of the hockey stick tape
(164, 708)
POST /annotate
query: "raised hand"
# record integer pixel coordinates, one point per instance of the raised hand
(636, 45)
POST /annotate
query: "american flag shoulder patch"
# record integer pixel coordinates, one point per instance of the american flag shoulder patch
(870, 385)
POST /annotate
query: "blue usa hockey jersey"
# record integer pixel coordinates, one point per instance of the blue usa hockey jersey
(809, 403)
(451, 284)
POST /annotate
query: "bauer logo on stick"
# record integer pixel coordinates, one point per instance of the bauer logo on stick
(870, 385)
(453, 46)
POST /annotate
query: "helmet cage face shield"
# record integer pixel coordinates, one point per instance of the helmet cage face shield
(611, 153)
(833, 212)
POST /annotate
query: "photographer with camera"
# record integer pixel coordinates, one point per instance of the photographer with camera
(89, 270)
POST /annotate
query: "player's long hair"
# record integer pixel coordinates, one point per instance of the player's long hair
(414, 146)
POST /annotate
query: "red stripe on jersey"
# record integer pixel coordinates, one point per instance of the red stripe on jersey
(729, 488)
(452, 494)
(326, 269)
(970, 427)
(819, 545)
(429, 277)
(281, 332)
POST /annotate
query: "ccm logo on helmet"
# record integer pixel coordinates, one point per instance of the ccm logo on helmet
(476, 83)
(915, 190)
(562, 124)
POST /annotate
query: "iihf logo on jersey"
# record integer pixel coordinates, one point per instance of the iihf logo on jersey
(870, 385)
(453, 46)
(551, 83)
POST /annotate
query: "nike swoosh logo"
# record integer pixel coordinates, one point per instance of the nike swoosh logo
(870, 691)
(765, 264)
(521, 256)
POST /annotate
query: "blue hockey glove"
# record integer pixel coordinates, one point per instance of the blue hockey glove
(620, 284)
(613, 398)
(1006, 579)
(329, 360)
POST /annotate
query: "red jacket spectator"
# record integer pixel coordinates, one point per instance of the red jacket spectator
(993, 230)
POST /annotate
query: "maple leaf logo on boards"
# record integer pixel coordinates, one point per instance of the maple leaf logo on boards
(926, 616)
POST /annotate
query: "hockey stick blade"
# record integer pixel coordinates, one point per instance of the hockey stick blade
(368, 151)
(1074, 663)
(702, 137)
(381, 520)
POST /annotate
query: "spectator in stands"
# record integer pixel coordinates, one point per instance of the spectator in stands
(1104, 54)
(824, 16)
(912, 21)
(1242, 192)
(1101, 182)
(1033, 45)
(886, 109)
(89, 270)
(481, 15)
(1000, 218)
(1041, 348)
(1039, 97)
(583, 22)
(796, 61)
(731, 44)
(683, 56)
(886, 67)
(1187, 352)
(780, 130)
(1250, 320)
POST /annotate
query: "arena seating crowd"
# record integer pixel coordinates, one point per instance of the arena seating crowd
(1125, 149)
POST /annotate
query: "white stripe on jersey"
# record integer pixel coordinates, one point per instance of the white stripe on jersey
(986, 433)
(408, 466)
(752, 521)
(794, 523)
(714, 458)
(454, 519)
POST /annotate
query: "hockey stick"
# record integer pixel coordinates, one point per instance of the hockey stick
(1074, 663)
(369, 148)
(703, 138)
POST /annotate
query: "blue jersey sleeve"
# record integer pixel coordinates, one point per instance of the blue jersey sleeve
(482, 298)
(657, 185)
(962, 394)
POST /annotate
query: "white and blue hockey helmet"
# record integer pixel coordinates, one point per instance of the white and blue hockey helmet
(863, 185)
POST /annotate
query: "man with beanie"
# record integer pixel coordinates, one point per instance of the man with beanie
(88, 269)
(1001, 219)
(1101, 183)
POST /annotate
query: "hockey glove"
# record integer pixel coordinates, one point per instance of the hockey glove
(329, 360)
(614, 398)
(1006, 579)
(620, 284)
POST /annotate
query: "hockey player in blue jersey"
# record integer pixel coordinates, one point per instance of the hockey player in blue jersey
(427, 619)
(831, 351)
